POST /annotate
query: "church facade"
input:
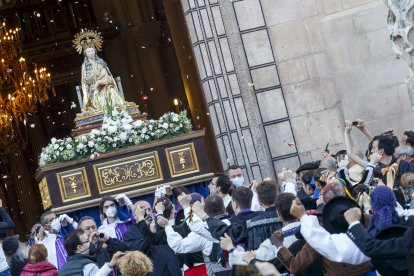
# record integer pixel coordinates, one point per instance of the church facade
(270, 81)
(281, 77)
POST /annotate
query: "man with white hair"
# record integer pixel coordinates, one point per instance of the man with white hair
(405, 152)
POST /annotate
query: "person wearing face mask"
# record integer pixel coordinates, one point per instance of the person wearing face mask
(236, 176)
(77, 244)
(53, 241)
(117, 219)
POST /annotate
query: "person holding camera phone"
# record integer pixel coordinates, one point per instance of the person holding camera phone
(102, 247)
(133, 237)
(77, 244)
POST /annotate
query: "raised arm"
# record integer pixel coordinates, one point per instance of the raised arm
(360, 124)
(335, 247)
(391, 248)
(297, 264)
(348, 145)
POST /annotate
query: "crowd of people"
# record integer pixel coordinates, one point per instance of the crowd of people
(350, 213)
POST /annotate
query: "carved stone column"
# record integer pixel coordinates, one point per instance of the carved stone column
(243, 75)
(23, 183)
(401, 25)
(11, 203)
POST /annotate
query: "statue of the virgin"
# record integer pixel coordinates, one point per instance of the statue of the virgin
(99, 89)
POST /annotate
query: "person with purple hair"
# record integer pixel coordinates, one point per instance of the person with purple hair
(383, 203)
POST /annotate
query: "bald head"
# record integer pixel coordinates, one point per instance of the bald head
(142, 204)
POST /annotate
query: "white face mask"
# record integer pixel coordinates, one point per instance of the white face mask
(237, 181)
(55, 225)
(111, 212)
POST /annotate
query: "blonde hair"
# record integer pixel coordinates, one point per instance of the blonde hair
(407, 180)
(37, 253)
(135, 263)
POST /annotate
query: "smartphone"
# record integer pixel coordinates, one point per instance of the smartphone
(37, 230)
(354, 123)
(145, 212)
(121, 201)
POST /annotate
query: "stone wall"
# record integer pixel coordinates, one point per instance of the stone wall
(280, 77)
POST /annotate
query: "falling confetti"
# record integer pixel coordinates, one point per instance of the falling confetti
(250, 84)
(72, 105)
(291, 144)
(151, 89)
(143, 47)
(19, 176)
(32, 125)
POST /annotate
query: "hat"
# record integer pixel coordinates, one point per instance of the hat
(333, 214)
(307, 167)
(356, 172)
(394, 266)
(392, 231)
(195, 197)
(10, 245)
(332, 190)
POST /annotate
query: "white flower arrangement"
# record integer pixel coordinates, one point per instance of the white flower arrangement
(118, 131)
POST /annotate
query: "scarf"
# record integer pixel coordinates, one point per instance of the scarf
(391, 172)
(383, 203)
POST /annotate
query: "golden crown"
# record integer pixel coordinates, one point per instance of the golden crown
(87, 39)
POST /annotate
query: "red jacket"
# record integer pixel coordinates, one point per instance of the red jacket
(44, 268)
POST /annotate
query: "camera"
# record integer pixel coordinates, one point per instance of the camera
(100, 235)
